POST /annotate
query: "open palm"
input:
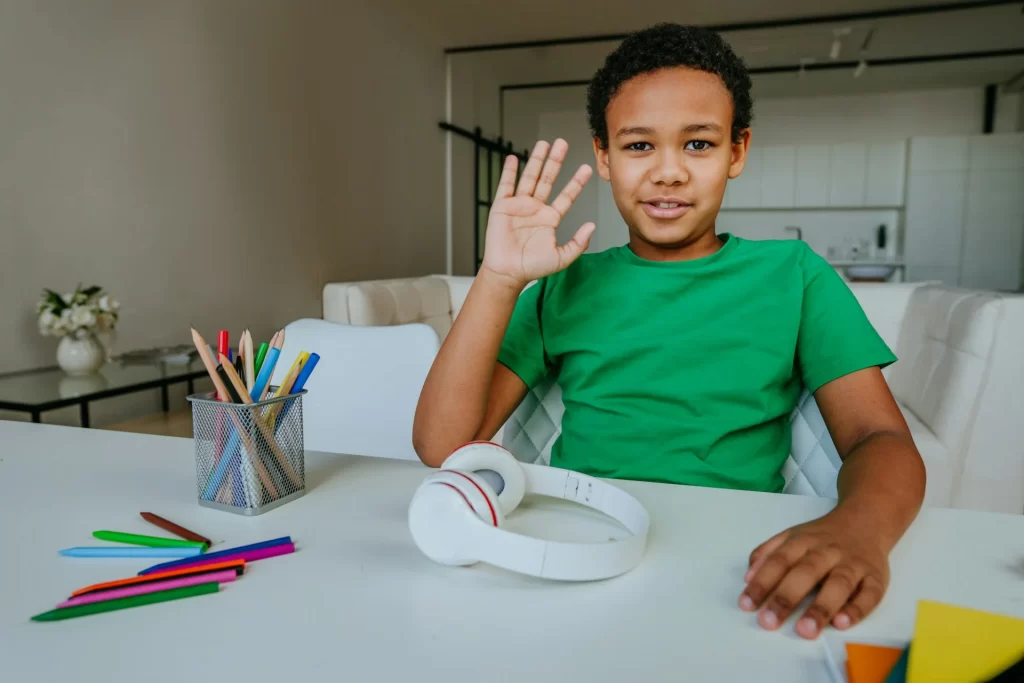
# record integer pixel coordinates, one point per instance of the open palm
(521, 242)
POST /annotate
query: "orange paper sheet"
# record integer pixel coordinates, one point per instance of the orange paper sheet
(870, 663)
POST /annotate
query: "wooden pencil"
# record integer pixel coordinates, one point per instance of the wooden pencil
(211, 368)
(250, 361)
(267, 433)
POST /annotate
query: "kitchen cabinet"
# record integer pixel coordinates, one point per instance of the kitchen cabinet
(886, 169)
(778, 176)
(847, 178)
(745, 192)
(811, 176)
(965, 211)
(935, 220)
(993, 230)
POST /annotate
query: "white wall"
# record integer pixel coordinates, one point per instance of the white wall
(211, 163)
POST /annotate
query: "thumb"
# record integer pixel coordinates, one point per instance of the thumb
(570, 251)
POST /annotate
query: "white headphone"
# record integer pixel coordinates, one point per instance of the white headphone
(456, 515)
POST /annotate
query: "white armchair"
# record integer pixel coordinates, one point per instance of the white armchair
(959, 383)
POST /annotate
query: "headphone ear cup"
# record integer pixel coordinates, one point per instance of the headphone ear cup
(441, 523)
(485, 455)
(475, 491)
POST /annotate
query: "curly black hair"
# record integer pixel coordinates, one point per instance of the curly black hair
(663, 46)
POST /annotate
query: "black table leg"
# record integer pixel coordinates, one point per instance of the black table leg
(37, 416)
(84, 413)
(165, 397)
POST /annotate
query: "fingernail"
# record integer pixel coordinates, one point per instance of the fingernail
(808, 626)
(769, 618)
(842, 621)
(746, 604)
(746, 577)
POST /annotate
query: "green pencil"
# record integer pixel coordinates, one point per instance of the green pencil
(149, 541)
(261, 353)
(125, 603)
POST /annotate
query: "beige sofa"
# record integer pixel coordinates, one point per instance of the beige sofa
(959, 383)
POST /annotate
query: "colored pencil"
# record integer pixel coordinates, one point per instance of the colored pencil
(261, 353)
(222, 465)
(168, 525)
(300, 383)
(267, 434)
(237, 566)
(267, 370)
(250, 373)
(150, 541)
(125, 603)
(129, 551)
(247, 555)
(222, 576)
(222, 555)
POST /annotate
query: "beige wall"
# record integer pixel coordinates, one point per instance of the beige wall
(211, 162)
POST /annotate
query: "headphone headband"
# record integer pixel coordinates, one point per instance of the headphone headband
(526, 554)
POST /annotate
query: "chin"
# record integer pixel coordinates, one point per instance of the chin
(666, 235)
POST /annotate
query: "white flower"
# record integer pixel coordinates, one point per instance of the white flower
(104, 303)
(68, 297)
(82, 316)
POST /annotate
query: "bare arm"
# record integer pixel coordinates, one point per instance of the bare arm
(468, 395)
(881, 489)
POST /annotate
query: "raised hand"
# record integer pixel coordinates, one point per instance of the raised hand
(520, 243)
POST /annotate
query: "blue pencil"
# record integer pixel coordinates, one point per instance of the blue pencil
(103, 551)
(300, 382)
(220, 553)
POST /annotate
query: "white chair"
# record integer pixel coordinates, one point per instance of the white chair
(362, 394)
(959, 383)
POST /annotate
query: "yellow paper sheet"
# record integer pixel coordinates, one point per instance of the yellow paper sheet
(959, 644)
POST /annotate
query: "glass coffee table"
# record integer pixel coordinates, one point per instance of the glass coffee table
(39, 391)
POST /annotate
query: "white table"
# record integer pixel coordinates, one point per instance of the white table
(357, 601)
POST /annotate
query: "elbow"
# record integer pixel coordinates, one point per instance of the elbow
(426, 448)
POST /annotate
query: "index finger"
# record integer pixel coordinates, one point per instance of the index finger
(507, 181)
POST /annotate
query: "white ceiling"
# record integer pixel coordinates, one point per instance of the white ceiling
(462, 22)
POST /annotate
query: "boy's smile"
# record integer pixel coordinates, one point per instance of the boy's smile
(668, 158)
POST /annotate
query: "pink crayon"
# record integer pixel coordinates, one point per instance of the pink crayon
(155, 586)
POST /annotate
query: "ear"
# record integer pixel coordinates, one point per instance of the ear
(739, 154)
(601, 160)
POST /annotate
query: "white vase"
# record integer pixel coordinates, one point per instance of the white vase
(77, 357)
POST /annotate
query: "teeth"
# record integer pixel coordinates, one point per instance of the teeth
(665, 205)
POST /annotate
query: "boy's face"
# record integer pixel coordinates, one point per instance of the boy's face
(669, 154)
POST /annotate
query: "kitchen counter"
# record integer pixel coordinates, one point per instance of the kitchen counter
(846, 264)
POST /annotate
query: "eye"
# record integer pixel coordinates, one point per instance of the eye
(699, 145)
(639, 147)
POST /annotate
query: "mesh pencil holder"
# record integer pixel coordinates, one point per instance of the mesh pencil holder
(249, 458)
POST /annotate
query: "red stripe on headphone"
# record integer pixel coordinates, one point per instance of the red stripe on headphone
(487, 498)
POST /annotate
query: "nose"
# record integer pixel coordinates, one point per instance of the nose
(669, 168)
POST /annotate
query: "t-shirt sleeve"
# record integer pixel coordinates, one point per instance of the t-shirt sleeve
(836, 337)
(522, 349)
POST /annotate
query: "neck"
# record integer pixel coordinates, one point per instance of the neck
(696, 247)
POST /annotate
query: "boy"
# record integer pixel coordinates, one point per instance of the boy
(681, 355)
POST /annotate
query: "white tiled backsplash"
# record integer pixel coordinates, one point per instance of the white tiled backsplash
(821, 229)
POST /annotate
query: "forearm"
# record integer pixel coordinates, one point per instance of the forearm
(881, 485)
(453, 401)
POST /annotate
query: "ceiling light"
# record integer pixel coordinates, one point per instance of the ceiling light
(837, 46)
(861, 67)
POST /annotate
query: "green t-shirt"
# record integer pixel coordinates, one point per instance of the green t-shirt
(686, 372)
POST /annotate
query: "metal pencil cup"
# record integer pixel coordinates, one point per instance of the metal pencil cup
(249, 458)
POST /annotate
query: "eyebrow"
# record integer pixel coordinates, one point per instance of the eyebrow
(692, 128)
